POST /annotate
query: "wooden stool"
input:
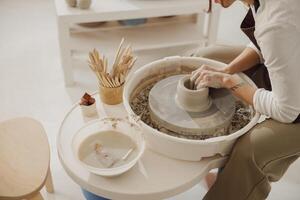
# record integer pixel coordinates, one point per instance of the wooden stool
(24, 160)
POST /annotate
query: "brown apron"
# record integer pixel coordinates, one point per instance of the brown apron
(259, 73)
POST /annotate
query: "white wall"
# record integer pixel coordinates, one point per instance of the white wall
(230, 20)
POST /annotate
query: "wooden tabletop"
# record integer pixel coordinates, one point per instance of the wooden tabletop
(24, 158)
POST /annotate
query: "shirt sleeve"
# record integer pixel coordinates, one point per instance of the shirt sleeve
(265, 103)
(280, 47)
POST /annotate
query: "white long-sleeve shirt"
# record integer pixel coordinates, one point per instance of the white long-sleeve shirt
(278, 35)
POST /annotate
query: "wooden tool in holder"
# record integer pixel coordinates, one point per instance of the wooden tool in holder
(111, 84)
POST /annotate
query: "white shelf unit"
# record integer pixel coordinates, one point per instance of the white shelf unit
(188, 27)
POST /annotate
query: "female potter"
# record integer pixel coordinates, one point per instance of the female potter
(271, 60)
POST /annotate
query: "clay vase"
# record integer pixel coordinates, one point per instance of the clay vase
(71, 3)
(111, 96)
(192, 100)
(84, 4)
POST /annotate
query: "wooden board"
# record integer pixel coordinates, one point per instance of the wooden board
(24, 158)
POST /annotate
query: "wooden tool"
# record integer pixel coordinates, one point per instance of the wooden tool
(124, 60)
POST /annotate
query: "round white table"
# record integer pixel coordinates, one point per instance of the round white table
(154, 177)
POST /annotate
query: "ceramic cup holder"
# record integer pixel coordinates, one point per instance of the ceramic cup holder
(111, 96)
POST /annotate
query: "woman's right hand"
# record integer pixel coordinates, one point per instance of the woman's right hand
(211, 68)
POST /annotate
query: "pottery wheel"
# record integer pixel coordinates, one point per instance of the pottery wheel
(166, 112)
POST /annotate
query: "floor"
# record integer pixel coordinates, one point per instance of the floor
(31, 84)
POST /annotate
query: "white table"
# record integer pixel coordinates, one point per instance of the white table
(154, 177)
(198, 28)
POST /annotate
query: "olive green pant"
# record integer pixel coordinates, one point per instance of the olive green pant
(260, 156)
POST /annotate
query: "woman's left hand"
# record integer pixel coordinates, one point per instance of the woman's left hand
(208, 78)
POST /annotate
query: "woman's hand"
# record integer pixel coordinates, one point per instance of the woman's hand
(210, 77)
(211, 68)
(207, 76)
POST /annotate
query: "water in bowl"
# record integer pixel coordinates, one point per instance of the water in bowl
(107, 149)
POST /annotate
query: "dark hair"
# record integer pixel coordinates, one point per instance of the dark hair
(209, 6)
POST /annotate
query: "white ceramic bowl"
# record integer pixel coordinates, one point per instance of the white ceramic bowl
(180, 148)
(123, 126)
